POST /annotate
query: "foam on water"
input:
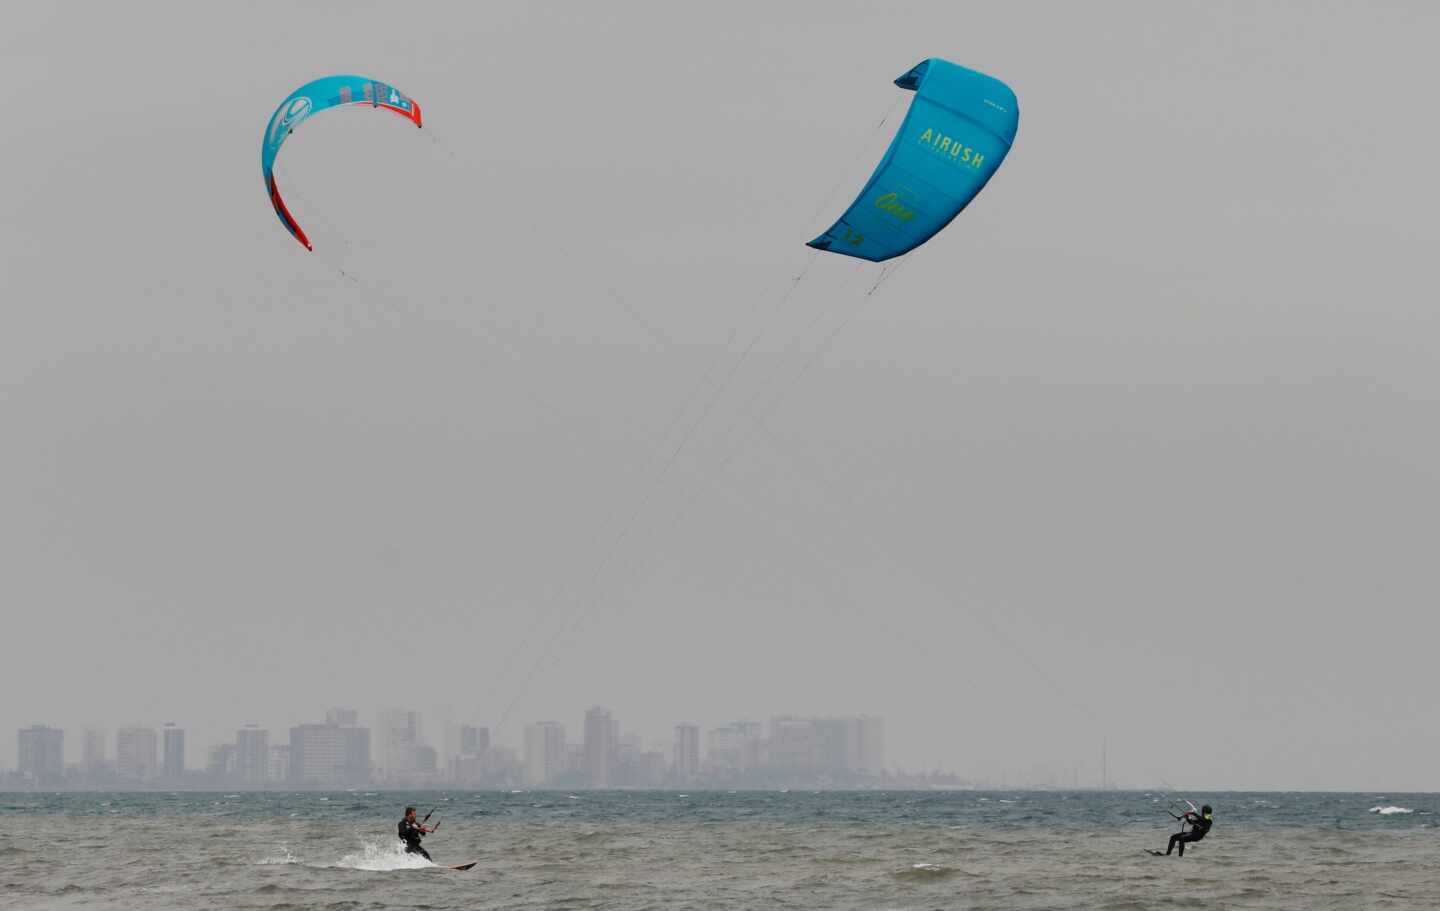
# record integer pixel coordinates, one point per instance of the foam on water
(283, 856)
(379, 856)
(927, 871)
(1390, 811)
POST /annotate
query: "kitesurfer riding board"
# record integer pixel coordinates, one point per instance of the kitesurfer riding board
(1199, 822)
(412, 830)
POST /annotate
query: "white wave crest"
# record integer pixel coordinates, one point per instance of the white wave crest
(1390, 811)
(285, 856)
(381, 855)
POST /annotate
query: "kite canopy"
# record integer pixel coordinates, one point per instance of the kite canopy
(958, 129)
(310, 99)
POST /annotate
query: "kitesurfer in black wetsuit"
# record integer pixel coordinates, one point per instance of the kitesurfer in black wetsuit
(411, 831)
(1199, 827)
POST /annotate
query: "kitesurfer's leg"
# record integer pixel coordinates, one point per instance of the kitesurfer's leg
(1181, 839)
(426, 854)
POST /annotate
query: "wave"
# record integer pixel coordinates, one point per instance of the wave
(286, 856)
(1390, 811)
(380, 856)
(927, 871)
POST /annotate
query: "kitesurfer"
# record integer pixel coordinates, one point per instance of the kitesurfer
(411, 831)
(1199, 824)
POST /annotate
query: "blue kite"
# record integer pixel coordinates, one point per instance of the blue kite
(958, 129)
(310, 99)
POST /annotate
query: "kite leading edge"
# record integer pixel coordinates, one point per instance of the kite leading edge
(310, 99)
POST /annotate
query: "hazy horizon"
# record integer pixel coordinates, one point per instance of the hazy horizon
(1140, 450)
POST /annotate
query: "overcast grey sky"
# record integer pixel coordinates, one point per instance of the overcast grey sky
(1144, 446)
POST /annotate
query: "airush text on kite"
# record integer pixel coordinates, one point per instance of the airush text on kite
(944, 145)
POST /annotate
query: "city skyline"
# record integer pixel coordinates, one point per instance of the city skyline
(830, 750)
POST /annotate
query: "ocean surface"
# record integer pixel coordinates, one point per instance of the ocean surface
(756, 849)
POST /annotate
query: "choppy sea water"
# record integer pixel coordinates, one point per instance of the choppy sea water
(654, 850)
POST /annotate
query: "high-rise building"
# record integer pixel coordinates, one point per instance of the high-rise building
(630, 745)
(474, 739)
(837, 743)
(501, 767)
(329, 755)
(599, 745)
(41, 754)
(872, 744)
(342, 717)
(723, 750)
(220, 764)
(625, 770)
(317, 755)
(92, 749)
(401, 737)
(357, 755)
(252, 755)
(544, 752)
(172, 766)
(687, 752)
(279, 763)
(136, 754)
(793, 744)
(734, 747)
(651, 769)
(467, 744)
(853, 743)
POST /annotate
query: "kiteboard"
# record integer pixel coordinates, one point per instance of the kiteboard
(1154, 853)
(464, 866)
